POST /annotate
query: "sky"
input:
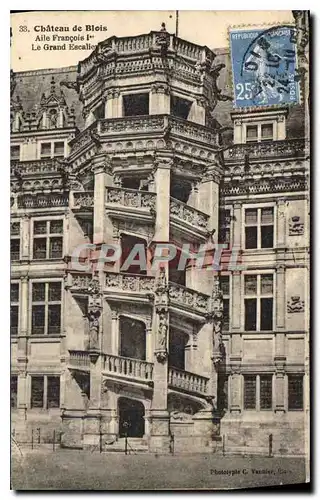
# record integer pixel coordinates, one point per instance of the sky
(203, 27)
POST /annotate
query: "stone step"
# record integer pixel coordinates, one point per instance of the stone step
(135, 445)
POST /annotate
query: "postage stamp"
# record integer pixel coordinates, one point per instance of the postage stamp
(264, 66)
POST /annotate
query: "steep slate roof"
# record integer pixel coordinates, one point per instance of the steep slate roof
(30, 85)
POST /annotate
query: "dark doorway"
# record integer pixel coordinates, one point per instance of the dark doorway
(135, 104)
(177, 344)
(132, 338)
(131, 418)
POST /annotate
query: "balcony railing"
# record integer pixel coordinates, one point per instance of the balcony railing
(46, 166)
(189, 298)
(128, 367)
(188, 214)
(134, 129)
(131, 198)
(130, 282)
(286, 148)
(79, 360)
(83, 199)
(180, 379)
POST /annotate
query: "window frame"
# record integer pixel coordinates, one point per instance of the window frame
(226, 208)
(257, 377)
(14, 376)
(45, 406)
(47, 236)
(228, 297)
(259, 207)
(295, 375)
(52, 143)
(132, 93)
(46, 304)
(15, 304)
(258, 296)
(259, 126)
(16, 237)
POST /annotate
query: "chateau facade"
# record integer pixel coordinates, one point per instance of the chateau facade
(140, 145)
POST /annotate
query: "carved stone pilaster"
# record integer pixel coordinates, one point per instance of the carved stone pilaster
(161, 307)
(216, 317)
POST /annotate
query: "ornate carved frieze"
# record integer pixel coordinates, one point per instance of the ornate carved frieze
(93, 315)
(84, 199)
(296, 226)
(271, 185)
(215, 316)
(130, 197)
(187, 297)
(86, 284)
(130, 283)
(295, 305)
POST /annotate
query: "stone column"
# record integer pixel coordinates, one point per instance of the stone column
(198, 112)
(237, 226)
(25, 237)
(235, 391)
(159, 99)
(22, 355)
(162, 185)
(279, 391)
(280, 297)
(108, 104)
(98, 169)
(281, 223)
(115, 332)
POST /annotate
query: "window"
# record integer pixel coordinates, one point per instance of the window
(45, 150)
(180, 107)
(54, 149)
(15, 241)
(58, 149)
(258, 302)
(15, 152)
(14, 308)
(260, 132)
(225, 287)
(295, 392)
(252, 133)
(250, 392)
(135, 104)
(267, 132)
(225, 226)
(259, 228)
(47, 239)
(99, 112)
(45, 391)
(46, 308)
(257, 393)
(13, 391)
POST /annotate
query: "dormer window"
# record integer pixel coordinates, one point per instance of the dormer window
(15, 152)
(267, 132)
(252, 133)
(54, 149)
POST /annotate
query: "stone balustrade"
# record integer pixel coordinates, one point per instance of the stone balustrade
(83, 283)
(130, 282)
(132, 198)
(188, 214)
(127, 367)
(79, 360)
(187, 297)
(286, 148)
(83, 199)
(43, 166)
(38, 200)
(187, 381)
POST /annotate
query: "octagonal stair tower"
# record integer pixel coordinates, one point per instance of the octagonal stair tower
(149, 164)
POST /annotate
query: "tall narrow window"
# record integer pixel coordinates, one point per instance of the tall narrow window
(225, 226)
(259, 227)
(225, 288)
(258, 302)
(250, 392)
(13, 391)
(14, 308)
(53, 392)
(37, 392)
(46, 308)
(267, 132)
(45, 151)
(15, 241)
(295, 392)
(265, 392)
(47, 239)
(58, 149)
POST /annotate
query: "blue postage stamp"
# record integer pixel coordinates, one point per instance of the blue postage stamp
(264, 65)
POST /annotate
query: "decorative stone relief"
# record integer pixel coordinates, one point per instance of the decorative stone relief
(295, 305)
(216, 317)
(296, 226)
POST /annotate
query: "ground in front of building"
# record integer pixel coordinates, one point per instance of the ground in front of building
(43, 469)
